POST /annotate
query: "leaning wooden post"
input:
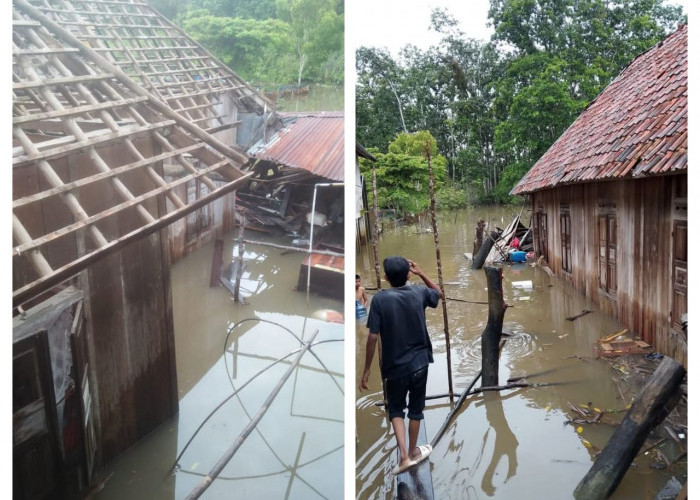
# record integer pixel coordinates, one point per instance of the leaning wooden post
(658, 398)
(480, 256)
(426, 151)
(376, 228)
(491, 335)
(239, 264)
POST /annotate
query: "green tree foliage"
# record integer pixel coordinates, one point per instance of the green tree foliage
(402, 173)
(268, 41)
(256, 50)
(495, 108)
(315, 24)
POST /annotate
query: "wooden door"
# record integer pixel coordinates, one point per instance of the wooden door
(35, 448)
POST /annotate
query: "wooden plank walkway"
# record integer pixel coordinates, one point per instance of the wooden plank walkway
(417, 482)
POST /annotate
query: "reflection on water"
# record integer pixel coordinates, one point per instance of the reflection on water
(229, 358)
(516, 444)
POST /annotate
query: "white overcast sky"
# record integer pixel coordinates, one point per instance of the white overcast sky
(392, 24)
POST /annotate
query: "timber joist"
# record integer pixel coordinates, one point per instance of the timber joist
(91, 148)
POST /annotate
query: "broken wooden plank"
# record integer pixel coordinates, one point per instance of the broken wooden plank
(614, 336)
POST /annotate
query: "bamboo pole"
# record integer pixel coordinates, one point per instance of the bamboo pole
(219, 466)
(436, 237)
(375, 228)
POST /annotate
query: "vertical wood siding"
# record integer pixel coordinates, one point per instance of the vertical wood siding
(128, 306)
(644, 208)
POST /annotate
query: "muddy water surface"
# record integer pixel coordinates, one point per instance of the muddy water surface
(517, 443)
(223, 349)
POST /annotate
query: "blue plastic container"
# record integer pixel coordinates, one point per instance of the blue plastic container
(517, 256)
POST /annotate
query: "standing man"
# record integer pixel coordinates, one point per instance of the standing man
(397, 316)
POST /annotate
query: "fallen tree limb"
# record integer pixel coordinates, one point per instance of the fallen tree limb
(582, 313)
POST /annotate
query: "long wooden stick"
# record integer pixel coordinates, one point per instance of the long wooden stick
(287, 248)
(219, 466)
(447, 421)
(436, 237)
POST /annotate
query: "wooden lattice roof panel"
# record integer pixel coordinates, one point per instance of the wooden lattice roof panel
(89, 150)
(637, 127)
(158, 55)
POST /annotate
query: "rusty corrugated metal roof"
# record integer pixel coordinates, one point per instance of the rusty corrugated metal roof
(312, 141)
(638, 126)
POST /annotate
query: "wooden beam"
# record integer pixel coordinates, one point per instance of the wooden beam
(114, 210)
(61, 81)
(68, 112)
(100, 137)
(61, 274)
(225, 126)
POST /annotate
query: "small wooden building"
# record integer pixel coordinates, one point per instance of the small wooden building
(363, 233)
(609, 198)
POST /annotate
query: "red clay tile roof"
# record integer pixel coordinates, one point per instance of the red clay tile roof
(313, 142)
(638, 126)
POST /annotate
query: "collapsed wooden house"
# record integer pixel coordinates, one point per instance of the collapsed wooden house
(609, 198)
(125, 134)
(297, 184)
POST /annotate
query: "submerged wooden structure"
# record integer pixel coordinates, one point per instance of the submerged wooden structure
(618, 175)
(125, 131)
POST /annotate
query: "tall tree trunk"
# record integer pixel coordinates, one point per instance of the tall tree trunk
(302, 63)
(398, 103)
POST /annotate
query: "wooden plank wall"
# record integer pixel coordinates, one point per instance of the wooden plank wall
(129, 315)
(128, 307)
(222, 221)
(644, 251)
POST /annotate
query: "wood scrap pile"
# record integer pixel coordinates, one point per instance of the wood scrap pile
(621, 343)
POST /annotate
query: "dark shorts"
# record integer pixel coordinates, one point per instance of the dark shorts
(412, 384)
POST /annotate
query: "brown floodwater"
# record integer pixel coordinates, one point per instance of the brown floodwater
(296, 451)
(515, 444)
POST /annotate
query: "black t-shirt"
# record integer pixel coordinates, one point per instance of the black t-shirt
(398, 316)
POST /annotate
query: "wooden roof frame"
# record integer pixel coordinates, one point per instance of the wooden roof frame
(156, 54)
(69, 100)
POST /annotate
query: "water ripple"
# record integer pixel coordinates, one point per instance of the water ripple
(519, 344)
